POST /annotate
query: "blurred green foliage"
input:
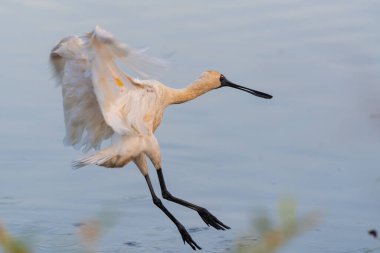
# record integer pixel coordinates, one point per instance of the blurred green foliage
(89, 232)
(11, 244)
(265, 237)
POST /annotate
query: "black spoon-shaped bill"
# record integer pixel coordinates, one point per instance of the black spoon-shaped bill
(225, 83)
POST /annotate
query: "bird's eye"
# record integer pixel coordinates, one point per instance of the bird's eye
(222, 77)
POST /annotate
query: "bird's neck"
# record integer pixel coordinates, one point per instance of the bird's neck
(194, 90)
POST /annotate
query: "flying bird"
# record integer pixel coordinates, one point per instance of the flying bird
(101, 101)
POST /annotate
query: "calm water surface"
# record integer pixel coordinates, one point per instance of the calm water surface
(317, 141)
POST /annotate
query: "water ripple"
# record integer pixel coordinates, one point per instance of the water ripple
(57, 239)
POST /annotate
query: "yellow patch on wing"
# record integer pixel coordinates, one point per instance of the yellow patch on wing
(119, 82)
(147, 117)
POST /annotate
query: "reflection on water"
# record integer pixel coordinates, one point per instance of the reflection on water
(317, 140)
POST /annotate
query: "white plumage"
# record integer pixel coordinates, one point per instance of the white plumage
(101, 101)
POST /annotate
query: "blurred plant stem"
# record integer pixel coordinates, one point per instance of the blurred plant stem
(270, 237)
(91, 231)
(10, 244)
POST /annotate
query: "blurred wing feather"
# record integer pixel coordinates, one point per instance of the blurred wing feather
(97, 94)
(85, 125)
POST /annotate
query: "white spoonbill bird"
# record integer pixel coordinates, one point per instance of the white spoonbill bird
(101, 101)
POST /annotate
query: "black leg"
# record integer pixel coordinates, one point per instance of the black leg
(185, 235)
(206, 216)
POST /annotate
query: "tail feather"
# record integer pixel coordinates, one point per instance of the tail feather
(100, 158)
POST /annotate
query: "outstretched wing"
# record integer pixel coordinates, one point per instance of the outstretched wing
(122, 99)
(84, 122)
(93, 86)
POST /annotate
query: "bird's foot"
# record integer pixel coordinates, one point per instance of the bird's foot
(187, 238)
(211, 220)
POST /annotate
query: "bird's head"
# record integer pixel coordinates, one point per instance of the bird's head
(217, 80)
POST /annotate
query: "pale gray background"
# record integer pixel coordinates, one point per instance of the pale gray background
(317, 140)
